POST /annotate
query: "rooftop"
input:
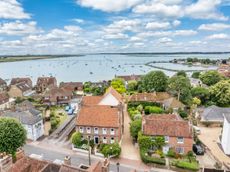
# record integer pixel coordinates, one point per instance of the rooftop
(98, 115)
(166, 125)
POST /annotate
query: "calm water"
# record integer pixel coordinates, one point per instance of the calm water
(93, 67)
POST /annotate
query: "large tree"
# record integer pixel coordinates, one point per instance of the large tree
(180, 86)
(154, 81)
(119, 85)
(12, 135)
(220, 93)
(135, 127)
(201, 93)
(210, 77)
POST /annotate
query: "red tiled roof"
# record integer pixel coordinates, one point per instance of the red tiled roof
(98, 115)
(151, 97)
(15, 81)
(91, 100)
(129, 77)
(166, 125)
(72, 86)
(4, 98)
(46, 80)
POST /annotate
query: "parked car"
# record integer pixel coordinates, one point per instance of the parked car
(198, 149)
(197, 130)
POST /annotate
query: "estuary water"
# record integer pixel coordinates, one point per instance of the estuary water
(96, 67)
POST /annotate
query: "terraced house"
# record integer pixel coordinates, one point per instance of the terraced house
(101, 117)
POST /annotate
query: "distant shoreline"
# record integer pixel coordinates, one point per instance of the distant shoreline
(5, 59)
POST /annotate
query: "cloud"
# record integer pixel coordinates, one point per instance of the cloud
(165, 40)
(214, 27)
(221, 36)
(176, 23)
(80, 21)
(158, 9)
(11, 9)
(205, 9)
(19, 28)
(157, 25)
(109, 5)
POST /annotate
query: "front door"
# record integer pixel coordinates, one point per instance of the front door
(96, 140)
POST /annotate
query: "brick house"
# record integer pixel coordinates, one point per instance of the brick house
(43, 83)
(75, 87)
(3, 85)
(101, 117)
(5, 102)
(57, 96)
(100, 122)
(178, 133)
(21, 89)
(28, 81)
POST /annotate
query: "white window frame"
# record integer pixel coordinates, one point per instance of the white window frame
(104, 130)
(180, 148)
(95, 130)
(81, 130)
(166, 139)
(88, 130)
(180, 140)
(112, 140)
(112, 132)
(104, 140)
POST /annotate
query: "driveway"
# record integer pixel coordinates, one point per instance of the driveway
(129, 151)
(210, 137)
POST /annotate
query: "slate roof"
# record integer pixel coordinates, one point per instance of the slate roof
(166, 125)
(15, 81)
(98, 116)
(23, 86)
(28, 117)
(214, 114)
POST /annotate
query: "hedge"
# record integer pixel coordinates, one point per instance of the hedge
(147, 159)
(135, 104)
(194, 166)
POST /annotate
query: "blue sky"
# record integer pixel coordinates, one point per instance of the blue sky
(91, 26)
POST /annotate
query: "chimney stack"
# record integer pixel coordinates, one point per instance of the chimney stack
(67, 160)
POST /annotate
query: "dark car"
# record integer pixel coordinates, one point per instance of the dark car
(198, 149)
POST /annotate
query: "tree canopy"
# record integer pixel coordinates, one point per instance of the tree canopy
(210, 77)
(12, 135)
(135, 127)
(132, 85)
(181, 73)
(196, 75)
(119, 85)
(180, 86)
(220, 93)
(201, 93)
(154, 81)
(76, 139)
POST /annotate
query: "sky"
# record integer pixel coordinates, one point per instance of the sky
(113, 26)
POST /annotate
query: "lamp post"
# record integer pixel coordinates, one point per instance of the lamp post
(118, 165)
(89, 150)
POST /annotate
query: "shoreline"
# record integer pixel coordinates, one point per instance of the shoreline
(6, 59)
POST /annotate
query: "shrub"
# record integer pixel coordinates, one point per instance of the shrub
(182, 113)
(153, 109)
(148, 159)
(144, 142)
(171, 153)
(135, 104)
(135, 127)
(194, 166)
(76, 139)
(111, 150)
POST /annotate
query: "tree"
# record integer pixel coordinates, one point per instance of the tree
(154, 81)
(119, 85)
(111, 150)
(181, 73)
(76, 139)
(196, 101)
(196, 75)
(210, 77)
(135, 127)
(12, 135)
(132, 85)
(201, 93)
(159, 142)
(220, 93)
(180, 86)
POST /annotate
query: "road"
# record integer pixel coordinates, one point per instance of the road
(51, 154)
(76, 159)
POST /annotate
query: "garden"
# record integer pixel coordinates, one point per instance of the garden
(108, 150)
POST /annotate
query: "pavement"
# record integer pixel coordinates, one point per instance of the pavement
(52, 153)
(210, 138)
(129, 151)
